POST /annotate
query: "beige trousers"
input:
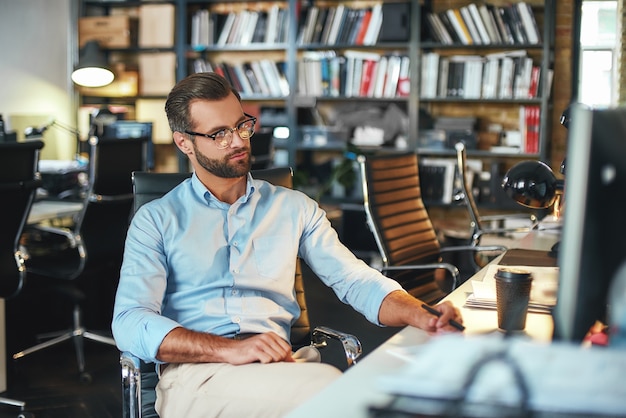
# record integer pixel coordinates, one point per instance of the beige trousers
(252, 390)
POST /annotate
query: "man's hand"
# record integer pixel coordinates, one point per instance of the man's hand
(185, 346)
(400, 309)
(262, 348)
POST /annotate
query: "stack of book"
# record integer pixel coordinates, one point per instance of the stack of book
(341, 24)
(262, 78)
(242, 27)
(353, 74)
(501, 75)
(483, 24)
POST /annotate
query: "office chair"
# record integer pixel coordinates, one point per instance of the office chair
(262, 149)
(478, 224)
(19, 181)
(68, 261)
(139, 379)
(404, 234)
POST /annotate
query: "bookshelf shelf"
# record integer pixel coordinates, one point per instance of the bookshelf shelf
(298, 38)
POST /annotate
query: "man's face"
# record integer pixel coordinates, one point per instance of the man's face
(210, 117)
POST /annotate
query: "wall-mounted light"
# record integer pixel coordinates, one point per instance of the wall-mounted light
(92, 69)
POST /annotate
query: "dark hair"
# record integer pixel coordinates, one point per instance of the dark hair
(198, 86)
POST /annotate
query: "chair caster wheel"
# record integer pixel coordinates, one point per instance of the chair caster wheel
(26, 415)
(85, 377)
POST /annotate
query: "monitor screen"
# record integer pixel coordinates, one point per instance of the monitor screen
(123, 129)
(593, 244)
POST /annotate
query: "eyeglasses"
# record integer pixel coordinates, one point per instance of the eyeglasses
(224, 137)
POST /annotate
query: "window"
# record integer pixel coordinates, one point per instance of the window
(599, 42)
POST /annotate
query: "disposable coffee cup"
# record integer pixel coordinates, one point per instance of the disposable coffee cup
(512, 297)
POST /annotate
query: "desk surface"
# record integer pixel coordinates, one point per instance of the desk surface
(356, 390)
(51, 209)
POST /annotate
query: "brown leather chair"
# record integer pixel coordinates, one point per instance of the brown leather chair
(139, 379)
(404, 234)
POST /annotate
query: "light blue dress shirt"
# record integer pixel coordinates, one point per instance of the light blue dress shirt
(194, 261)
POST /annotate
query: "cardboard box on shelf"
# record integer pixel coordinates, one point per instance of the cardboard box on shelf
(156, 26)
(157, 73)
(116, 31)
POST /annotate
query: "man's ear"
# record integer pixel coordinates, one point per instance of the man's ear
(181, 142)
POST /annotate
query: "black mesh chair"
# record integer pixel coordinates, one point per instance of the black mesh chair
(84, 259)
(139, 379)
(404, 234)
(18, 184)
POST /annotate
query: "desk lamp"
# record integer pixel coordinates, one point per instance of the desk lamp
(92, 69)
(533, 183)
(33, 132)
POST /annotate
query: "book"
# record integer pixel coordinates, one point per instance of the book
(533, 88)
(339, 17)
(429, 75)
(226, 29)
(393, 74)
(403, 88)
(447, 24)
(260, 28)
(481, 27)
(322, 15)
(376, 21)
(471, 27)
(381, 77)
(529, 23)
(244, 82)
(512, 19)
(505, 30)
(444, 69)
(271, 33)
(306, 32)
(328, 23)
(490, 24)
(255, 66)
(440, 28)
(360, 38)
(454, 16)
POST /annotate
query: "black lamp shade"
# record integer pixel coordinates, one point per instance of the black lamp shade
(92, 69)
(531, 184)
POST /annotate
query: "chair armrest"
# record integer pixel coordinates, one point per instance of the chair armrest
(64, 232)
(139, 380)
(131, 385)
(475, 248)
(351, 344)
(511, 216)
(454, 271)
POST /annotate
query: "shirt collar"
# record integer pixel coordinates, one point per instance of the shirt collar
(201, 191)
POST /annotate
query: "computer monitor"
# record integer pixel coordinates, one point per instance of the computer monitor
(123, 129)
(593, 244)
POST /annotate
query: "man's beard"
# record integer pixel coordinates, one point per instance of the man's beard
(225, 168)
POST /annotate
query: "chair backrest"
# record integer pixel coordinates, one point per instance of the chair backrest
(262, 149)
(109, 201)
(19, 160)
(18, 184)
(150, 186)
(398, 218)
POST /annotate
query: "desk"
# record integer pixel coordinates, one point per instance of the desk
(356, 390)
(43, 210)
